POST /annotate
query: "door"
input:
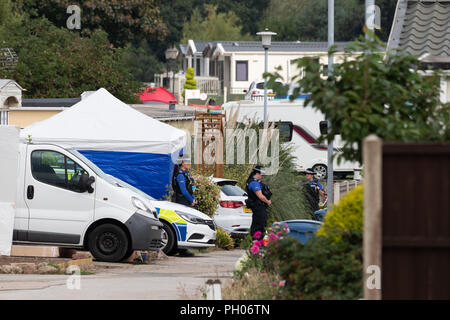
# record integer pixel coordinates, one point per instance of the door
(58, 211)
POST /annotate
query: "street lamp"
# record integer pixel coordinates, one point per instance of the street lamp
(171, 56)
(266, 39)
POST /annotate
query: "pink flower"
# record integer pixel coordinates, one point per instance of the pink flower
(254, 249)
(257, 243)
(273, 237)
(282, 283)
(257, 235)
(261, 243)
(286, 228)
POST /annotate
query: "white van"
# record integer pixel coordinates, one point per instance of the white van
(298, 125)
(63, 199)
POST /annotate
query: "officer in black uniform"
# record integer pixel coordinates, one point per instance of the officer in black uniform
(183, 190)
(257, 201)
(183, 184)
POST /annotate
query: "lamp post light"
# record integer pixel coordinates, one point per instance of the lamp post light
(266, 39)
(171, 56)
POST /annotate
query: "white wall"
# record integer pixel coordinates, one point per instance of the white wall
(9, 161)
(285, 60)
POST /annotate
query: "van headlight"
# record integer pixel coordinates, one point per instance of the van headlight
(139, 204)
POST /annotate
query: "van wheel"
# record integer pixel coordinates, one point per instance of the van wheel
(169, 240)
(109, 243)
(321, 171)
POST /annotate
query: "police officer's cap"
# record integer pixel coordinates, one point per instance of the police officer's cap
(310, 171)
(259, 169)
(185, 158)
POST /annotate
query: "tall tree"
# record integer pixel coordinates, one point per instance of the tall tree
(123, 20)
(306, 20)
(213, 26)
(54, 62)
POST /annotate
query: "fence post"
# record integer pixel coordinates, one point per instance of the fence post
(337, 192)
(372, 236)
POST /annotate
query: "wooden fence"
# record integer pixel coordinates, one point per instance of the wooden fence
(408, 233)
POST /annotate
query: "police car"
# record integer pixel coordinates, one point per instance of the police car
(232, 215)
(183, 227)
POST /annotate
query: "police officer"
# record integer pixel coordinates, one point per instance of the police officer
(313, 189)
(257, 202)
(183, 184)
(183, 187)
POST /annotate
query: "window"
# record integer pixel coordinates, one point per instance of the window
(197, 67)
(56, 169)
(241, 70)
(4, 118)
(232, 190)
(285, 130)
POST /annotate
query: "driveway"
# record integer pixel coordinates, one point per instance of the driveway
(172, 278)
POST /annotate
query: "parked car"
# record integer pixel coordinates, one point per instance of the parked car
(232, 215)
(183, 227)
(63, 199)
(256, 90)
(302, 230)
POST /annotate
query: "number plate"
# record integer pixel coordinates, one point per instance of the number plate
(247, 210)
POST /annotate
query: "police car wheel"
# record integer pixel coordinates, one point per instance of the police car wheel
(168, 239)
(321, 171)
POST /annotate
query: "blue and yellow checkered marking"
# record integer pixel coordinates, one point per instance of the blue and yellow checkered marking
(178, 223)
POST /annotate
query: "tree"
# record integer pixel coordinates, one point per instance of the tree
(378, 93)
(308, 20)
(214, 26)
(54, 62)
(141, 61)
(123, 20)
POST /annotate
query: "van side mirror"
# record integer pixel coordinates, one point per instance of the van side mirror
(86, 183)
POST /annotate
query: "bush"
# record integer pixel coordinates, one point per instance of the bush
(320, 269)
(190, 83)
(346, 216)
(224, 240)
(207, 194)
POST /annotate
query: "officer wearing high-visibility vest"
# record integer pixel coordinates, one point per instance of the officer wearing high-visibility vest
(257, 202)
(183, 184)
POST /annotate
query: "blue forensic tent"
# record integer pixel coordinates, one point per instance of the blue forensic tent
(121, 141)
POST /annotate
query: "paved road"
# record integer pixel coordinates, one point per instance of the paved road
(173, 278)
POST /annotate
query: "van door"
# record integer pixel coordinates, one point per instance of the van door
(59, 211)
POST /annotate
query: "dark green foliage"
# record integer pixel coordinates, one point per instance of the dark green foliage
(306, 20)
(54, 62)
(123, 20)
(320, 269)
(142, 62)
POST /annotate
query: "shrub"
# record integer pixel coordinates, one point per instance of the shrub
(224, 240)
(347, 215)
(207, 194)
(320, 269)
(190, 83)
